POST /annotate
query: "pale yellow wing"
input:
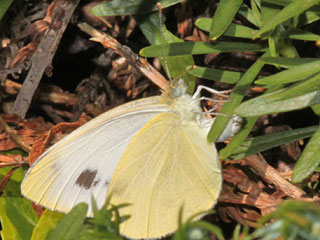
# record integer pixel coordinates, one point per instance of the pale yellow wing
(81, 165)
(169, 163)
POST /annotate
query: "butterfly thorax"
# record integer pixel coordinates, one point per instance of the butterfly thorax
(181, 103)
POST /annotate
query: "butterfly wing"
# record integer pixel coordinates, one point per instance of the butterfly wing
(167, 165)
(82, 163)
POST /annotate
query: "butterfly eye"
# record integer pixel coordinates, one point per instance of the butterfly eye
(176, 92)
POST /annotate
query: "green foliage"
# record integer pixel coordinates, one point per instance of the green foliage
(17, 215)
(4, 5)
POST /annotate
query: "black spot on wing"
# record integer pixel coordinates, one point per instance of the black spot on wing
(86, 179)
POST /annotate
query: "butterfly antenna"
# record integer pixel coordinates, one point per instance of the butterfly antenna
(162, 40)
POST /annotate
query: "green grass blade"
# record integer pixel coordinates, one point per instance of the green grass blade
(299, 34)
(286, 62)
(194, 48)
(234, 30)
(289, 11)
(216, 74)
(298, 96)
(309, 159)
(235, 98)
(128, 7)
(294, 74)
(266, 142)
(223, 17)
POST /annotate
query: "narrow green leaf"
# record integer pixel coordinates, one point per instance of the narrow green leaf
(298, 96)
(71, 224)
(149, 25)
(128, 7)
(282, 3)
(309, 159)
(255, 11)
(234, 30)
(308, 17)
(216, 74)
(294, 74)
(47, 222)
(287, 62)
(223, 17)
(194, 48)
(266, 142)
(289, 11)
(235, 98)
(247, 13)
(268, 11)
(299, 34)
(4, 5)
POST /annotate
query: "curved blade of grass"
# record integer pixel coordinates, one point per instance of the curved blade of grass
(299, 34)
(216, 74)
(309, 159)
(234, 30)
(235, 98)
(286, 62)
(71, 225)
(149, 25)
(295, 97)
(223, 17)
(129, 7)
(294, 74)
(289, 11)
(4, 5)
(47, 222)
(266, 142)
(194, 48)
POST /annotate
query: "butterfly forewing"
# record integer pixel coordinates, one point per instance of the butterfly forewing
(167, 165)
(82, 164)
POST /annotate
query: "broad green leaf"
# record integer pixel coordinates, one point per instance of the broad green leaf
(4, 5)
(128, 7)
(309, 159)
(149, 25)
(17, 215)
(47, 222)
(287, 62)
(234, 30)
(298, 96)
(194, 48)
(266, 142)
(268, 11)
(216, 74)
(294, 74)
(70, 225)
(289, 11)
(223, 17)
(235, 98)
(299, 34)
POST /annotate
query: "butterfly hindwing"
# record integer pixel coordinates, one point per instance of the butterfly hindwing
(82, 163)
(167, 165)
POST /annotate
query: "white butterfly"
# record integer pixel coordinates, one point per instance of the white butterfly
(152, 153)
